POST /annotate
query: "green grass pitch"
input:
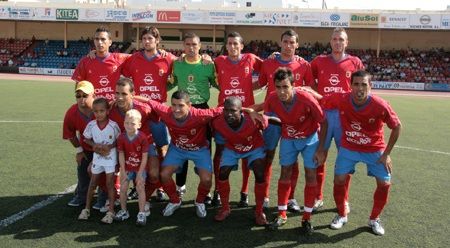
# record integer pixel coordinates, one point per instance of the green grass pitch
(36, 163)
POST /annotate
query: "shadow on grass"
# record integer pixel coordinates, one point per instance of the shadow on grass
(183, 229)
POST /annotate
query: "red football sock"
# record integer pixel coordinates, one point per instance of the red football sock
(202, 191)
(259, 197)
(294, 180)
(268, 174)
(348, 180)
(245, 176)
(171, 190)
(339, 198)
(309, 196)
(380, 198)
(150, 187)
(284, 189)
(224, 191)
(320, 177)
(216, 164)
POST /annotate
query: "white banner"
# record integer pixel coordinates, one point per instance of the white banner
(20, 13)
(116, 15)
(199, 17)
(400, 21)
(398, 85)
(278, 18)
(43, 14)
(221, 17)
(335, 20)
(304, 19)
(445, 21)
(255, 18)
(92, 15)
(4, 12)
(46, 71)
(418, 21)
(143, 16)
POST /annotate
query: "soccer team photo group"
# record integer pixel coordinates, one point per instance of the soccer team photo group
(191, 142)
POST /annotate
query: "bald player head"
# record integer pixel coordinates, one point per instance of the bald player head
(232, 110)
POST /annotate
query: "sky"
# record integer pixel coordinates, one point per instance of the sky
(381, 4)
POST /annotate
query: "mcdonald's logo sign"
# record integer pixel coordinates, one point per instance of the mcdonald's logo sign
(168, 16)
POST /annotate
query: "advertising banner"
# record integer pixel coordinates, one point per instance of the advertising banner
(305, 19)
(221, 17)
(364, 20)
(20, 13)
(198, 17)
(46, 71)
(143, 16)
(394, 21)
(437, 87)
(398, 85)
(92, 15)
(251, 18)
(335, 20)
(44, 14)
(445, 21)
(277, 18)
(168, 16)
(4, 12)
(116, 15)
(418, 21)
(67, 14)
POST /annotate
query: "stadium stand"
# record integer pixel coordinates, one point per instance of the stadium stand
(408, 65)
(10, 48)
(52, 54)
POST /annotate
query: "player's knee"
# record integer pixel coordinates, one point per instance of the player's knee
(340, 179)
(270, 154)
(259, 176)
(224, 173)
(286, 172)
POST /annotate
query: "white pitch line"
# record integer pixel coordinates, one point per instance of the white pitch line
(22, 214)
(25, 121)
(422, 150)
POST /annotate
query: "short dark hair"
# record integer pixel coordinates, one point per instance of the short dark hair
(181, 95)
(190, 35)
(103, 29)
(283, 73)
(233, 100)
(236, 35)
(152, 31)
(101, 100)
(123, 81)
(361, 73)
(291, 33)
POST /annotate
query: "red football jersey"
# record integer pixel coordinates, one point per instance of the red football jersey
(334, 77)
(362, 127)
(247, 138)
(300, 119)
(132, 149)
(103, 73)
(235, 78)
(149, 74)
(75, 121)
(189, 134)
(300, 68)
(118, 116)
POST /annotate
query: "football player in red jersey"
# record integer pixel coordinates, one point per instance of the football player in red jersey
(242, 139)
(234, 75)
(300, 116)
(332, 74)
(362, 117)
(302, 77)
